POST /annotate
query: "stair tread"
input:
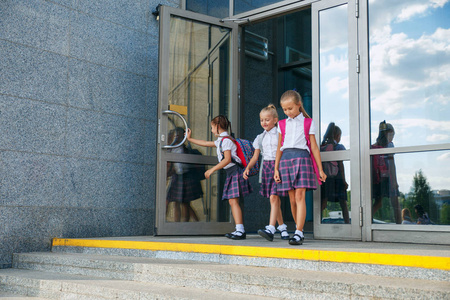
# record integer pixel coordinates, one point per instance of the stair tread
(60, 281)
(11, 296)
(86, 260)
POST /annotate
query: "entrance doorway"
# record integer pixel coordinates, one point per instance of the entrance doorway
(196, 83)
(199, 78)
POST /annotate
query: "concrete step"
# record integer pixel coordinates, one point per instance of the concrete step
(63, 286)
(391, 260)
(11, 296)
(250, 280)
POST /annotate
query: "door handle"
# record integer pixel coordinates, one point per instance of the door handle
(167, 112)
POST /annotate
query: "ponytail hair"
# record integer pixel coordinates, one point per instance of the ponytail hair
(270, 109)
(296, 98)
(223, 122)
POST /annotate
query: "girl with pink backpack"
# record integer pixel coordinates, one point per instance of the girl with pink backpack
(298, 162)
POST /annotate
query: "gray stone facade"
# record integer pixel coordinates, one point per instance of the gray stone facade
(78, 98)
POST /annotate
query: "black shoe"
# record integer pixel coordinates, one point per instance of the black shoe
(243, 236)
(286, 237)
(228, 235)
(266, 234)
(296, 240)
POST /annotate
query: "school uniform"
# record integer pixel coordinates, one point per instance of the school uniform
(267, 143)
(235, 185)
(183, 186)
(296, 167)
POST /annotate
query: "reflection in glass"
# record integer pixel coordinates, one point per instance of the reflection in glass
(199, 72)
(191, 198)
(334, 189)
(384, 174)
(412, 189)
(410, 70)
(214, 8)
(336, 195)
(333, 69)
(241, 6)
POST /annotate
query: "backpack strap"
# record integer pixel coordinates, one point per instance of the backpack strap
(307, 126)
(282, 126)
(221, 151)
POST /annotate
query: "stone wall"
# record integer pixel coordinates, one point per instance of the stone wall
(78, 92)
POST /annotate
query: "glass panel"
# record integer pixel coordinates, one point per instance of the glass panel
(336, 194)
(241, 6)
(334, 86)
(191, 198)
(400, 182)
(297, 36)
(410, 70)
(214, 8)
(199, 61)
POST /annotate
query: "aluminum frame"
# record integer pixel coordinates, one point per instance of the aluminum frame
(174, 228)
(385, 232)
(338, 231)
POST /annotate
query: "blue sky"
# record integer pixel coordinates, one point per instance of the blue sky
(409, 80)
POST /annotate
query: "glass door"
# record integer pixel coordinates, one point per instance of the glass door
(197, 81)
(337, 206)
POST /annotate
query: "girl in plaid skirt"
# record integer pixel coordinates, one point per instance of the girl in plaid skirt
(235, 186)
(266, 143)
(294, 170)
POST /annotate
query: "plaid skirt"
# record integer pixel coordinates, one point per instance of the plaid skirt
(296, 171)
(268, 185)
(235, 184)
(184, 188)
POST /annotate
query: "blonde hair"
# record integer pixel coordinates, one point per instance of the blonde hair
(296, 98)
(270, 109)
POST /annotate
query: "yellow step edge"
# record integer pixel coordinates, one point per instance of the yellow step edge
(402, 260)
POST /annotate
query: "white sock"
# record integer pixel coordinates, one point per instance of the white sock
(240, 227)
(282, 227)
(271, 228)
(300, 233)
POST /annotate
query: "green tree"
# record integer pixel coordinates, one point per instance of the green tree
(445, 214)
(421, 194)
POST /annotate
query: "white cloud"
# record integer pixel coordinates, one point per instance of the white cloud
(436, 138)
(337, 83)
(407, 72)
(444, 157)
(419, 9)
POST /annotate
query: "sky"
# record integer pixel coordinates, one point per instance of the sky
(409, 46)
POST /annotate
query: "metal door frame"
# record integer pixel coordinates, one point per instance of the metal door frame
(183, 228)
(339, 231)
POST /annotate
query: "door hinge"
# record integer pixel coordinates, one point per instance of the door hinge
(360, 216)
(357, 63)
(357, 8)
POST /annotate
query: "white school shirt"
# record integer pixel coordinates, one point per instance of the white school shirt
(295, 133)
(269, 143)
(227, 144)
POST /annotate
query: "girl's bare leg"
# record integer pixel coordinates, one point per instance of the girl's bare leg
(293, 205)
(236, 210)
(301, 208)
(275, 211)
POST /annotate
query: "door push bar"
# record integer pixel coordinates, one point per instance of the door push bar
(167, 112)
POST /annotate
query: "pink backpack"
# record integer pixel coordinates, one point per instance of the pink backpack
(307, 126)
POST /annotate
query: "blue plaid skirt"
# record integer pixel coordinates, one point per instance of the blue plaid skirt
(268, 185)
(184, 188)
(296, 171)
(235, 184)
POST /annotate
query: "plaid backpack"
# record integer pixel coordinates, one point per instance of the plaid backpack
(245, 152)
